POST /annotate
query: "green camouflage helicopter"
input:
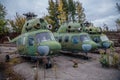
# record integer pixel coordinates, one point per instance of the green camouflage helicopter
(36, 41)
(97, 35)
(73, 39)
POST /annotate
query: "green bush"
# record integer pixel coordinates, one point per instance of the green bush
(109, 58)
(104, 60)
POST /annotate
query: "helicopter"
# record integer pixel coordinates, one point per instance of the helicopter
(74, 40)
(35, 40)
(97, 35)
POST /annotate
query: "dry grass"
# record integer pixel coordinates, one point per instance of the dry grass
(14, 61)
(9, 73)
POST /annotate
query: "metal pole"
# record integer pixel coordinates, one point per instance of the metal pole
(44, 64)
(36, 73)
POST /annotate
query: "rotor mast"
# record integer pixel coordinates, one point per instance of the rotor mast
(30, 15)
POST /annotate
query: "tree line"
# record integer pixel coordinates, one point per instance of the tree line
(7, 26)
(61, 11)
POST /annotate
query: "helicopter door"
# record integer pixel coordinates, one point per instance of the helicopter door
(31, 46)
(66, 44)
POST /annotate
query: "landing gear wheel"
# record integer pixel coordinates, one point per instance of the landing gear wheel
(86, 57)
(48, 64)
(7, 58)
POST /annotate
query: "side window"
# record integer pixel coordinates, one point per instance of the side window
(30, 41)
(66, 39)
(60, 39)
(75, 39)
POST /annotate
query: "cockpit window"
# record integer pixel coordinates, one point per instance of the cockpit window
(84, 38)
(44, 36)
(104, 38)
(96, 39)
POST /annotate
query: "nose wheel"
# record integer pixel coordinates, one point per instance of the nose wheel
(86, 56)
(47, 62)
(86, 48)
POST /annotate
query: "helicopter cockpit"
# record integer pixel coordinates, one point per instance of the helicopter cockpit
(104, 38)
(100, 38)
(102, 41)
(44, 36)
(80, 38)
(84, 38)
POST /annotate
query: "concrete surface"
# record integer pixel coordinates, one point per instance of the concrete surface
(87, 69)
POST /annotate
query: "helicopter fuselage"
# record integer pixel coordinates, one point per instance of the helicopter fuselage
(75, 42)
(41, 42)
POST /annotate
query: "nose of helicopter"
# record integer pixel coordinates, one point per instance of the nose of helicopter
(106, 44)
(53, 45)
(43, 50)
(48, 47)
(88, 46)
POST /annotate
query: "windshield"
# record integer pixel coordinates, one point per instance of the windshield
(44, 36)
(96, 39)
(104, 38)
(84, 38)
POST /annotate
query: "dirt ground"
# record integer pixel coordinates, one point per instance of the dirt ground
(87, 70)
(63, 70)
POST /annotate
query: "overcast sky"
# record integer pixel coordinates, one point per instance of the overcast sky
(97, 11)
